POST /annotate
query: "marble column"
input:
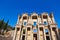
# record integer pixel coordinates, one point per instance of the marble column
(44, 36)
(57, 34)
(38, 34)
(26, 34)
(14, 37)
(51, 33)
(31, 34)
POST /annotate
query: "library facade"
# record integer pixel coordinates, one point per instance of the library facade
(36, 27)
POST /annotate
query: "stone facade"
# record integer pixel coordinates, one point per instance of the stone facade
(36, 27)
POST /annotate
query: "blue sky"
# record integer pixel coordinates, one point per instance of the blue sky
(9, 9)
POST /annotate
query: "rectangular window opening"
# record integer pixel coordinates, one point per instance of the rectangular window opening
(25, 17)
(44, 16)
(18, 29)
(24, 31)
(46, 31)
(41, 29)
(28, 28)
(34, 17)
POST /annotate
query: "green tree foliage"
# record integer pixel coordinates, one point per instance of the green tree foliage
(4, 26)
(1, 24)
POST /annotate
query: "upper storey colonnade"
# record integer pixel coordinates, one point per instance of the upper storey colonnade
(43, 18)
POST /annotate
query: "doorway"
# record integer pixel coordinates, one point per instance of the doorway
(34, 36)
(47, 38)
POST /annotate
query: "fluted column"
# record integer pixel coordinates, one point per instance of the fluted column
(14, 37)
(26, 34)
(31, 34)
(20, 33)
(44, 36)
(57, 33)
(51, 33)
(38, 34)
